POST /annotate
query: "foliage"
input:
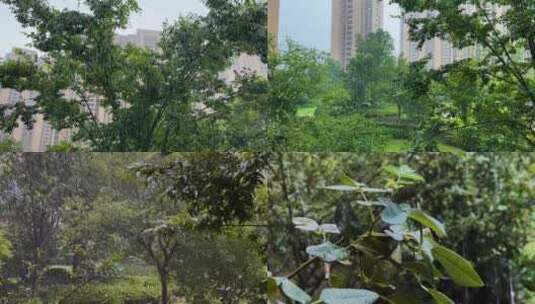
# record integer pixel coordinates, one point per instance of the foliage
(386, 258)
(302, 79)
(63, 147)
(469, 193)
(371, 70)
(34, 188)
(497, 86)
(10, 145)
(232, 265)
(5, 246)
(152, 96)
(217, 188)
(326, 132)
(109, 216)
(5, 252)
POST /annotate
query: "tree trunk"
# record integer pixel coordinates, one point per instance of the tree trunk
(511, 288)
(164, 278)
(399, 113)
(76, 260)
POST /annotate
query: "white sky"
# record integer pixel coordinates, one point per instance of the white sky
(154, 13)
(309, 22)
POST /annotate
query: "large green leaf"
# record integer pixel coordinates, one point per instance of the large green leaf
(371, 203)
(328, 252)
(421, 269)
(397, 232)
(439, 297)
(293, 291)
(404, 172)
(345, 188)
(395, 214)
(346, 180)
(529, 250)
(329, 228)
(460, 270)
(356, 188)
(305, 224)
(348, 296)
(428, 221)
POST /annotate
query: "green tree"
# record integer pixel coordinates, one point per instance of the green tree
(200, 191)
(506, 42)
(370, 73)
(151, 95)
(33, 191)
(9, 145)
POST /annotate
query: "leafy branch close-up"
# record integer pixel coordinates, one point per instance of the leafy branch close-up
(384, 248)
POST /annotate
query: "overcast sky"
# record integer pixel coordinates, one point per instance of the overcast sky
(154, 13)
(309, 22)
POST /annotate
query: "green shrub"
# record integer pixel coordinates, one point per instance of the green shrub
(336, 133)
(128, 290)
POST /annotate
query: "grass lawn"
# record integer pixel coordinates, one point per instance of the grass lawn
(397, 145)
(449, 149)
(306, 112)
(131, 289)
(388, 110)
(403, 145)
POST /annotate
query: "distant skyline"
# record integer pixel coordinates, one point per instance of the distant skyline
(309, 23)
(152, 16)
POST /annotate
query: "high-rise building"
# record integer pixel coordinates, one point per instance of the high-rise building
(242, 63)
(351, 19)
(440, 51)
(273, 21)
(41, 135)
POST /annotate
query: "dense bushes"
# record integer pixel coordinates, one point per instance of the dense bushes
(336, 133)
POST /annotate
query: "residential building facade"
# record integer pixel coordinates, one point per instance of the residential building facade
(351, 19)
(440, 52)
(273, 22)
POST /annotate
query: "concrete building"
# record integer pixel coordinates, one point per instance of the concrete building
(142, 38)
(350, 19)
(273, 22)
(41, 135)
(242, 63)
(440, 51)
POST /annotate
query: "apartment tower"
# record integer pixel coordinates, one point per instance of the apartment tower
(273, 22)
(350, 19)
(441, 52)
